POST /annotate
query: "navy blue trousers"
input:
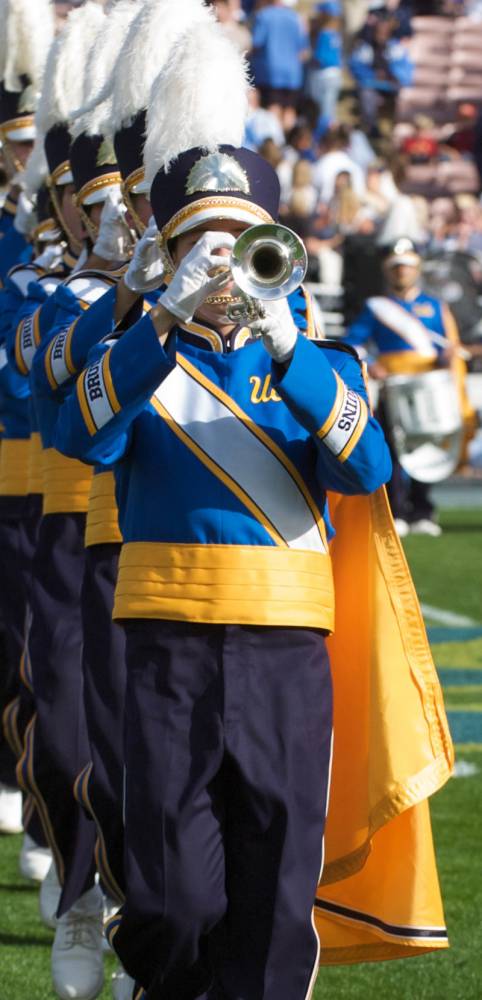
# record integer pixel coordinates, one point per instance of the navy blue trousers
(19, 524)
(104, 672)
(227, 752)
(18, 529)
(56, 747)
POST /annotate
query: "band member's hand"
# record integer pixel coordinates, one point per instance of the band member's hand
(194, 280)
(377, 371)
(146, 270)
(113, 239)
(277, 329)
(25, 216)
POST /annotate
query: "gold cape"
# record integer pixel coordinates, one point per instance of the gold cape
(379, 896)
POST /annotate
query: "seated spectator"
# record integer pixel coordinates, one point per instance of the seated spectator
(280, 48)
(422, 146)
(461, 139)
(325, 71)
(375, 198)
(261, 125)
(302, 185)
(335, 159)
(235, 30)
(300, 144)
(284, 168)
(324, 245)
(381, 65)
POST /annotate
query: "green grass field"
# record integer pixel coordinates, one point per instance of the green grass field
(447, 574)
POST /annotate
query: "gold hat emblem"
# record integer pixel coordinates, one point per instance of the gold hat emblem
(106, 156)
(217, 172)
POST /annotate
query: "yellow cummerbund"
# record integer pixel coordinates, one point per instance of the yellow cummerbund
(406, 363)
(36, 465)
(67, 484)
(226, 584)
(14, 461)
(102, 516)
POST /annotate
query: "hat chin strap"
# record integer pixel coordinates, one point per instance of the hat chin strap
(75, 244)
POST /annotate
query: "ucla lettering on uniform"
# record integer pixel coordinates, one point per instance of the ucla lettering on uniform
(263, 391)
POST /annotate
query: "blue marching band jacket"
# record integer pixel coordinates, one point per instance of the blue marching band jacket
(222, 459)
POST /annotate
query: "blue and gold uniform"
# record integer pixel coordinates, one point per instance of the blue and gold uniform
(400, 331)
(409, 334)
(264, 453)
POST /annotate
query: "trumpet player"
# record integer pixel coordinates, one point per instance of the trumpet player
(226, 439)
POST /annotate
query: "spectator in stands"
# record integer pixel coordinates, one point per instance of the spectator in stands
(375, 198)
(324, 245)
(261, 125)
(422, 146)
(335, 159)
(461, 140)
(381, 65)
(325, 71)
(280, 49)
(237, 31)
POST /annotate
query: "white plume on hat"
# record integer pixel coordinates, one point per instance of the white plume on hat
(26, 34)
(199, 100)
(62, 90)
(155, 30)
(95, 113)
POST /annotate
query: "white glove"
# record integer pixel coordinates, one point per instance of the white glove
(277, 330)
(192, 284)
(51, 257)
(146, 270)
(113, 237)
(25, 216)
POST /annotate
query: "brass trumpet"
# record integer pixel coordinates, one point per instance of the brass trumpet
(267, 262)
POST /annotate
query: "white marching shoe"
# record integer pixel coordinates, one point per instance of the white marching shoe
(122, 985)
(77, 961)
(49, 897)
(34, 861)
(402, 527)
(10, 809)
(426, 527)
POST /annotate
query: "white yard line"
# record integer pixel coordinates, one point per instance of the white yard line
(448, 618)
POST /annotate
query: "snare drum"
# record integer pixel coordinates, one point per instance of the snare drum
(426, 423)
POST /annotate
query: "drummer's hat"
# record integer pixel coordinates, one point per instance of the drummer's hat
(157, 26)
(26, 34)
(193, 155)
(403, 251)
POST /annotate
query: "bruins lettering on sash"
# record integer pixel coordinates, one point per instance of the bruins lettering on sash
(97, 397)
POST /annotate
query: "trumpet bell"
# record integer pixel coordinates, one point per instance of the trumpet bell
(268, 262)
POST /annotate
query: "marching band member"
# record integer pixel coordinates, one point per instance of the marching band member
(225, 586)
(400, 326)
(25, 36)
(56, 748)
(75, 331)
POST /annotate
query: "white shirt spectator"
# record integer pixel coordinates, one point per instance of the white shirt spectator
(327, 169)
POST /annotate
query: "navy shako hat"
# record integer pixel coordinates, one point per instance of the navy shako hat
(232, 183)
(17, 112)
(57, 150)
(402, 251)
(94, 168)
(129, 149)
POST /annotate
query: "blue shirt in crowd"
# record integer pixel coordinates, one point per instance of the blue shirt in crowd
(279, 38)
(328, 49)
